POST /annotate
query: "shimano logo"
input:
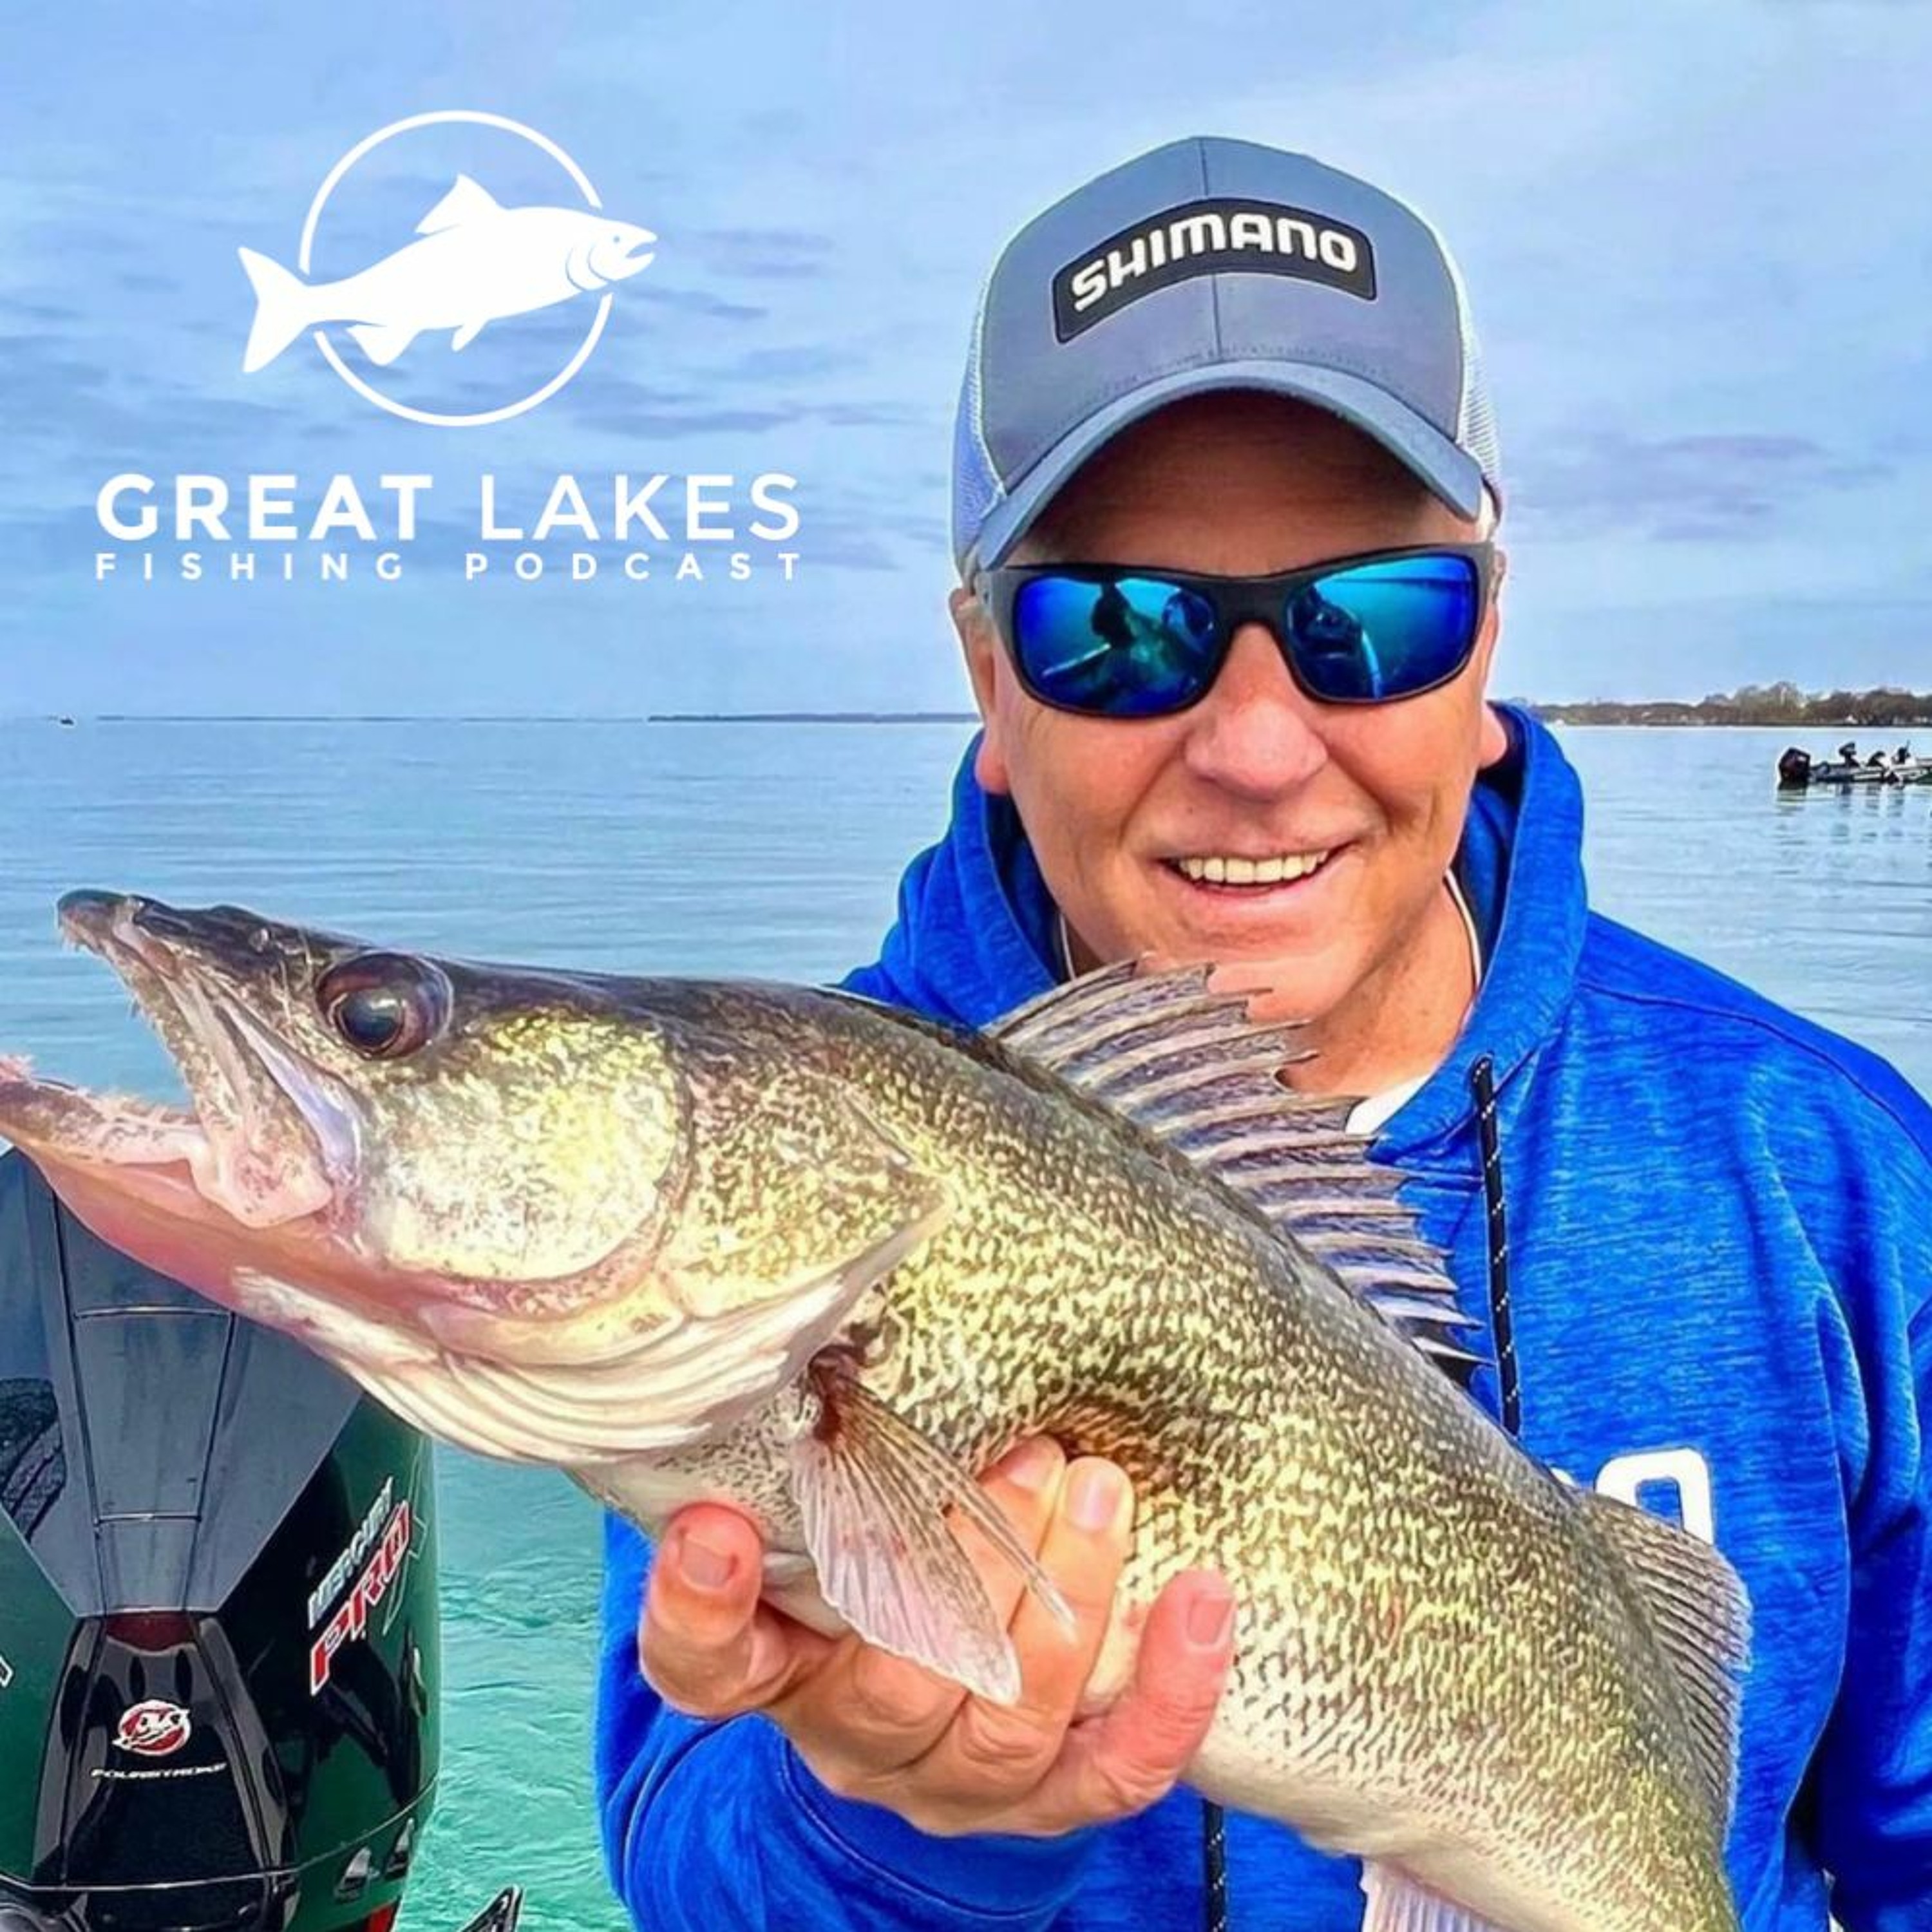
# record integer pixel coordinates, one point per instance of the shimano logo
(1208, 238)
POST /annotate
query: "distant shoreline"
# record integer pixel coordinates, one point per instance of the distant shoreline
(814, 717)
(1590, 714)
(1877, 708)
(1659, 714)
(500, 718)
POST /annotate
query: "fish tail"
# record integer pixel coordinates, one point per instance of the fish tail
(281, 309)
(1700, 1616)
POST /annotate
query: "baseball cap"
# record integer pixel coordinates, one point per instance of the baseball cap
(1212, 264)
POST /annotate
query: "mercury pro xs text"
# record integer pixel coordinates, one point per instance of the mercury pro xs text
(218, 1634)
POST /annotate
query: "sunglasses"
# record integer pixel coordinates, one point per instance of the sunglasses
(1116, 640)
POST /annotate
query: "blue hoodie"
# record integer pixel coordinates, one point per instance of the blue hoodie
(1719, 1221)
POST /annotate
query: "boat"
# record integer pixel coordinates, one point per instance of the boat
(1798, 770)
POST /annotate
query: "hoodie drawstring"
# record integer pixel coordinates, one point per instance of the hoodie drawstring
(1482, 1086)
(1483, 1089)
(1214, 1865)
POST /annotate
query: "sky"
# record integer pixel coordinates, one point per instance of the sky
(1697, 240)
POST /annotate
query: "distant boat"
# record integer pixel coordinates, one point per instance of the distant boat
(1798, 771)
(67, 722)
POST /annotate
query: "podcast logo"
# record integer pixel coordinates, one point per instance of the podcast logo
(455, 269)
(473, 263)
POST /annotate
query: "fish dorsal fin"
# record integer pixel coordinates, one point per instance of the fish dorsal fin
(1700, 1615)
(467, 201)
(1187, 1065)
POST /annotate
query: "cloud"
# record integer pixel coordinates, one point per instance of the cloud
(649, 409)
(875, 528)
(690, 302)
(869, 415)
(703, 405)
(765, 254)
(41, 366)
(40, 311)
(850, 549)
(1709, 487)
(785, 361)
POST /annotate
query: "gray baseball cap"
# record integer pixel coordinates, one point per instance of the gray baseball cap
(1212, 264)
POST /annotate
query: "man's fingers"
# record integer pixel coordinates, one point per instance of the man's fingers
(1023, 1486)
(1121, 1763)
(704, 1642)
(991, 1749)
(1083, 1550)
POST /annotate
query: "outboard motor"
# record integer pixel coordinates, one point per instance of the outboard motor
(1794, 770)
(218, 1629)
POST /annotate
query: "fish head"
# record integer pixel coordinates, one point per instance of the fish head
(408, 1131)
(548, 1216)
(602, 251)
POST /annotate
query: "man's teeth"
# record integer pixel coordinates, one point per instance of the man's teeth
(1218, 870)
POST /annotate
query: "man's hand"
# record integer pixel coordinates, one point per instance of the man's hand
(871, 1726)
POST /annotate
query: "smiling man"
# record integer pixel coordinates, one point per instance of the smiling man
(1314, 837)
(1224, 487)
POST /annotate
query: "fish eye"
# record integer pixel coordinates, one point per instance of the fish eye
(384, 1005)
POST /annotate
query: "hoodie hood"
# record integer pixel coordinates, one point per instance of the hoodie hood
(974, 935)
(1520, 865)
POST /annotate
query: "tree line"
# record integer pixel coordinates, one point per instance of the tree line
(1784, 704)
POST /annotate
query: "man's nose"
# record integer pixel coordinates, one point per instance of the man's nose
(1255, 732)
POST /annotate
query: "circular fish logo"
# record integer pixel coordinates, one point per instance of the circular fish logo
(154, 1729)
(477, 261)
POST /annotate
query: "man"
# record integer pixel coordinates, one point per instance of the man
(1695, 1233)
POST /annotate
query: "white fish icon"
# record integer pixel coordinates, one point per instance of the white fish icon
(476, 262)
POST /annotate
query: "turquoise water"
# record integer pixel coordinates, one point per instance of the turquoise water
(764, 849)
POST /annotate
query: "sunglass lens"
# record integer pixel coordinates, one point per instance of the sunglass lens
(1125, 647)
(1384, 630)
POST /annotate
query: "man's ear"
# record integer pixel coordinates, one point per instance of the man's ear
(1493, 744)
(984, 667)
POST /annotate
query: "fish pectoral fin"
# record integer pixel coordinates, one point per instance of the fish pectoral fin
(873, 1493)
(468, 334)
(1397, 1904)
(466, 201)
(382, 342)
(1699, 1617)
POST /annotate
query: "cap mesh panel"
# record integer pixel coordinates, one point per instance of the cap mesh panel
(1477, 430)
(975, 482)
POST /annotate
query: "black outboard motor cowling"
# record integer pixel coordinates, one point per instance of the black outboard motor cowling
(218, 1628)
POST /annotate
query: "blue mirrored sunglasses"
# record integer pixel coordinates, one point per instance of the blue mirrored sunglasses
(1117, 641)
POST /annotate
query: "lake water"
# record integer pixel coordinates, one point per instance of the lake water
(772, 850)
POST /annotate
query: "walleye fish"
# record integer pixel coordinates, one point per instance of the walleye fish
(798, 1253)
(476, 262)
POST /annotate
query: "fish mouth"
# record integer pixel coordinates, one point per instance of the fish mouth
(268, 1139)
(607, 261)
